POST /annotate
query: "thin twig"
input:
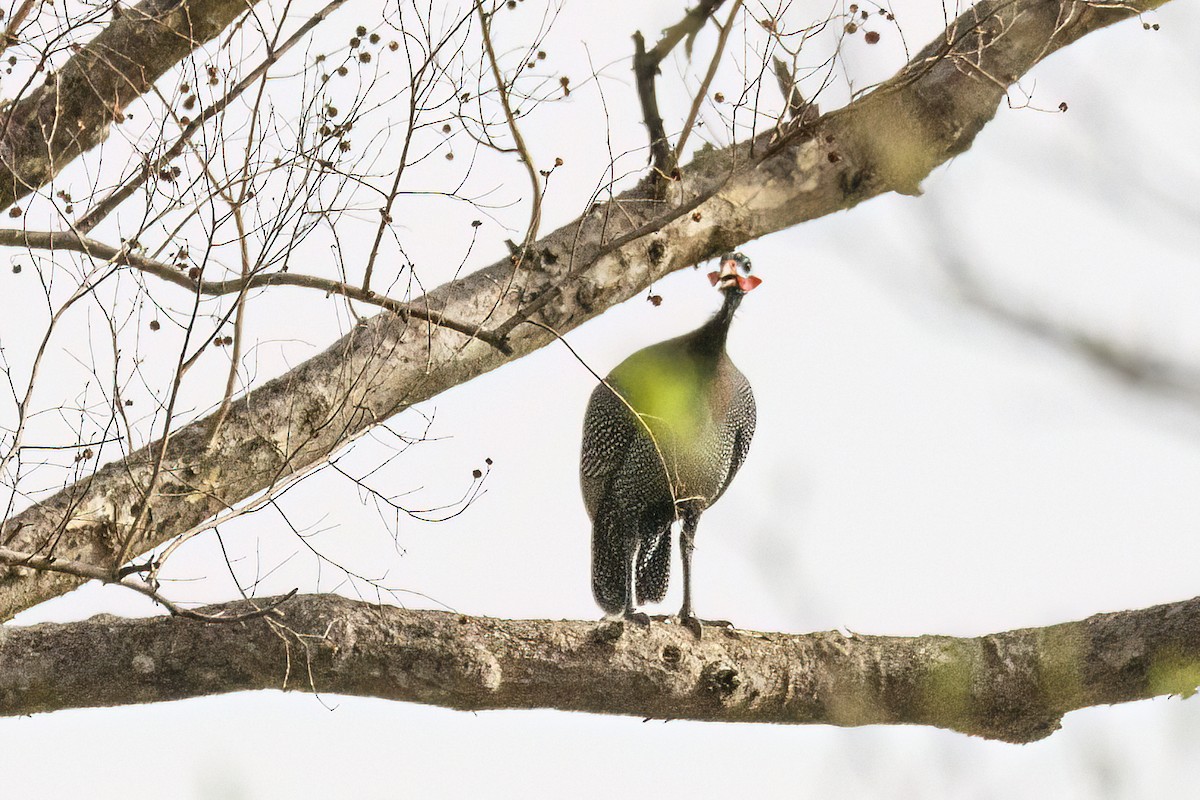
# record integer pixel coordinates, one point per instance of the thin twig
(14, 23)
(702, 92)
(535, 215)
(98, 212)
(67, 240)
(645, 70)
(87, 571)
(18, 434)
(235, 355)
(236, 206)
(183, 364)
(385, 214)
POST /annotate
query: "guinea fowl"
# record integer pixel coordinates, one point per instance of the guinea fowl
(662, 438)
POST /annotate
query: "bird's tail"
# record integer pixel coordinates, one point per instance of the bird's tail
(612, 565)
(654, 566)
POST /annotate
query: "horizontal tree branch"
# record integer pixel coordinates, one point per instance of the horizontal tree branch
(70, 240)
(1013, 686)
(888, 140)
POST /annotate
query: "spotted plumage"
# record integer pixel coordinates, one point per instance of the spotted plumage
(662, 438)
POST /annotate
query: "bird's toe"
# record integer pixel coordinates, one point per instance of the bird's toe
(693, 624)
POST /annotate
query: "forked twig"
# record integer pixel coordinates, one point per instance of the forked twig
(67, 240)
(645, 70)
(702, 92)
(535, 214)
(81, 569)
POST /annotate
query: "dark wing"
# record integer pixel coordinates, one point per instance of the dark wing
(743, 415)
(609, 428)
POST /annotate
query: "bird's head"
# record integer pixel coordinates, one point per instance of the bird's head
(734, 274)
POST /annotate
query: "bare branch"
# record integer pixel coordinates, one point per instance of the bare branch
(535, 214)
(9, 37)
(1013, 686)
(1128, 364)
(797, 106)
(645, 70)
(645, 74)
(126, 579)
(66, 240)
(97, 213)
(702, 92)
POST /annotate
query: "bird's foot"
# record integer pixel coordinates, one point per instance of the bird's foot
(696, 625)
(637, 618)
(613, 626)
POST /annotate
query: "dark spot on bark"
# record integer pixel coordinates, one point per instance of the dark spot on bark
(720, 679)
(608, 632)
(991, 652)
(852, 182)
(656, 251)
(586, 295)
(671, 655)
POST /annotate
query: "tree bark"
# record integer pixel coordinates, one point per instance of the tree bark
(888, 140)
(1012, 686)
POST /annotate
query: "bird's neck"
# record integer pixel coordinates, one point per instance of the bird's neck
(710, 337)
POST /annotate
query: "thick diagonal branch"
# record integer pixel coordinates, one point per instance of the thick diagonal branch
(886, 141)
(1012, 686)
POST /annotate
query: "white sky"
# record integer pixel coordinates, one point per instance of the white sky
(917, 469)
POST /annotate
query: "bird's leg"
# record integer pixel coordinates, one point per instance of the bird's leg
(631, 614)
(687, 543)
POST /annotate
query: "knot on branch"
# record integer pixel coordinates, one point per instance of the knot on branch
(720, 678)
